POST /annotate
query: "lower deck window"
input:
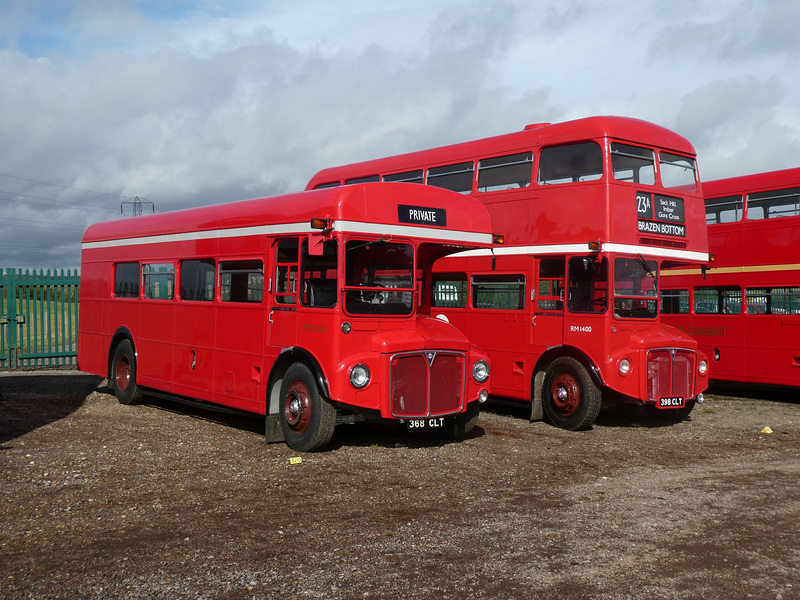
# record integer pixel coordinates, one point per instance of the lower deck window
(127, 278)
(241, 280)
(501, 292)
(718, 301)
(450, 291)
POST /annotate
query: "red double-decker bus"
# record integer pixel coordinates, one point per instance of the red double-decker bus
(567, 310)
(312, 309)
(744, 309)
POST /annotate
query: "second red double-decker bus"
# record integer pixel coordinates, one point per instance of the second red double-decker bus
(312, 309)
(592, 210)
(744, 309)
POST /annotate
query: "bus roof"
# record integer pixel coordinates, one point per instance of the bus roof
(366, 208)
(756, 182)
(532, 136)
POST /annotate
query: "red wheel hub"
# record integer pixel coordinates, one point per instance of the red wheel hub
(566, 394)
(297, 407)
(122, 373)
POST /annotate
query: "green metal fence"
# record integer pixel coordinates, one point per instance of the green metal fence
(38, 318)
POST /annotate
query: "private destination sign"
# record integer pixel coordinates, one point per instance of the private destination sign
(420, 215)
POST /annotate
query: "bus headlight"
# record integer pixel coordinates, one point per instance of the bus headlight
(480, 371)
(359, 376)
(702, 367)
(624, 366)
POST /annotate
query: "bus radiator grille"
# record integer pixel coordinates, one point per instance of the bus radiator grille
(670, 373)
(426, 384)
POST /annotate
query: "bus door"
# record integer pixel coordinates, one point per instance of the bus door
(240, 323)
(548, 308)
(499, 325)
(284, 293)
(587, 303)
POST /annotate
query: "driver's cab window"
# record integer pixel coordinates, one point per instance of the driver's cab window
(286, 269)
(379, 277)
(587, 285)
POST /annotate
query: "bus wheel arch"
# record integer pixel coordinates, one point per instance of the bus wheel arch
(307, 418)
(298, 410)
(567, 391)
(122, 370)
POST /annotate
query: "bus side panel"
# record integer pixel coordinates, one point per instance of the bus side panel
(92, 337)
(153, 339)
(240, 340)
(193, 350)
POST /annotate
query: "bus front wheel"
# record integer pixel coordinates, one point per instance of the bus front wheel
(307, 419)
(123, 374)
(570, 397)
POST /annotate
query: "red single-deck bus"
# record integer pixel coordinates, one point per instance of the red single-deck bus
(744, 309)
(311, 308)
(567, 310)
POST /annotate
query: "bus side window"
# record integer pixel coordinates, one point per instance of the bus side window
(450, 290)
(286, 270)
(319, 275)
(241, 281)
(675, 302)
(551, 284)
(127, 278)
(197, 279)
(159, 281)
(570, 163)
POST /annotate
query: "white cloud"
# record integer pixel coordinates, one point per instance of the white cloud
(188, 103)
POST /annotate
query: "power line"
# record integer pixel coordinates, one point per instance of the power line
(59, 202)
(66, 187)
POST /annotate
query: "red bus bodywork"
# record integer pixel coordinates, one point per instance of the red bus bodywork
(225, 304)
(591, 210)
(744, 309)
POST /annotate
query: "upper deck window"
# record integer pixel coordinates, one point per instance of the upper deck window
(505, 172)
(773, 204)
(677, 171)
(379, 277)
(367, 179)
(634, 164)
(727, 209)
(457, 178)
(407, 176)
(570, 163)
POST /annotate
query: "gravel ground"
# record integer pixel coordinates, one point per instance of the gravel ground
(158, 501)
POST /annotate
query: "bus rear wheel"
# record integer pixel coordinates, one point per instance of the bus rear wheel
(307, 419)
(123, 374)
(571, 399)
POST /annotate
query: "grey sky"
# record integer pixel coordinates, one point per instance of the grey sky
(189, 103)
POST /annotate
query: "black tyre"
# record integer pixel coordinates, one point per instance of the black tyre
(307, 419)
(123, 374)
(670, 415)
(458, 427)
(571, 399)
